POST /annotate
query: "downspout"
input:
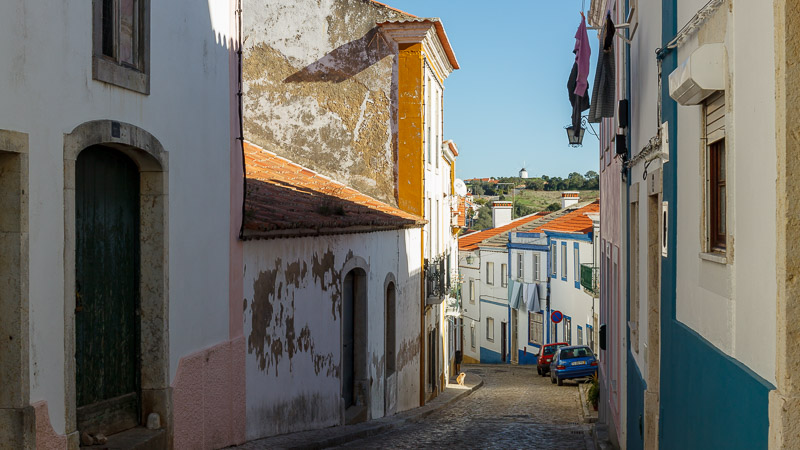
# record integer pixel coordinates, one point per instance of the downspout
(241, 112)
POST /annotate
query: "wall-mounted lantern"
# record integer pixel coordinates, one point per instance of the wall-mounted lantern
(470, 258)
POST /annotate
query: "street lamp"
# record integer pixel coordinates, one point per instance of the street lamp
(470, 258)
(575, 137)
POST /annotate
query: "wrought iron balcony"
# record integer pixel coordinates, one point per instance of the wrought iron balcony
(437, 279)
(590, 279)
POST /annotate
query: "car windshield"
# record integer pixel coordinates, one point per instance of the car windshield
(550, 350)
(572, 353)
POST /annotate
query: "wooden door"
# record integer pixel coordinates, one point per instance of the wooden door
(107, 285)
(503, 339)
(348, 340)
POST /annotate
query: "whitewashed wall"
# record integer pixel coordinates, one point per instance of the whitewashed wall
(292, 290)
(724, 302)
(48, 90)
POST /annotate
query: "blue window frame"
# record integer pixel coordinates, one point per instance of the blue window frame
(577, 264)
(564, 261)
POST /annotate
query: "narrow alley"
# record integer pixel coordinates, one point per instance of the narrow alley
(515, 408)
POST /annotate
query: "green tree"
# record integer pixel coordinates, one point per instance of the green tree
(575, 181)
(554, 206)
(484, 219)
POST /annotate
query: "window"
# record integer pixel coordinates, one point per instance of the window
(503, 275)
(553, 332)
(580, 335)
(472, 335)
(472, 291)
(553, 260)
(536, 260)
(520, 267)
(438, 244)
(567, 330)
(564, 261)
(536, 327)
(490, 273)
(490, 329)
(716, 192)
(576, 260)
(121, 54)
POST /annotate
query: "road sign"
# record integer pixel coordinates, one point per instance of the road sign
(556, 316)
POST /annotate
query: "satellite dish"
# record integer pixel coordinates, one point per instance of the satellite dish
(461, 188)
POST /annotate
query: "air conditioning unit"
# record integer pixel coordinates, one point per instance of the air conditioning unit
(699, 76)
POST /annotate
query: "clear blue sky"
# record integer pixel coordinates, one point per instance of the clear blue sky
(508, 103)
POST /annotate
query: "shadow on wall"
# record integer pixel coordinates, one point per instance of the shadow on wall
(346, 61)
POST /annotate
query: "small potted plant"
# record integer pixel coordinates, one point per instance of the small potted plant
(593, 394)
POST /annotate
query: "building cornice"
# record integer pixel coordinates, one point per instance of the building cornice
(430, 33)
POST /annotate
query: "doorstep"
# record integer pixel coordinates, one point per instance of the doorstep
(139, 438)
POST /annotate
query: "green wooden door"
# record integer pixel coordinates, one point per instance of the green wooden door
(107, 284)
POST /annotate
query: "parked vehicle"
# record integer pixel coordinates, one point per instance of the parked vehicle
(546, 355)
(572, 362)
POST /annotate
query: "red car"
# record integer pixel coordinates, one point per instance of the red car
(546, 356)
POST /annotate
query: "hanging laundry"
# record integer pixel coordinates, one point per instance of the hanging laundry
(577, 83)
(515, 289)
(524, 293)
(582, 53)
(535, 299)
(604, 88)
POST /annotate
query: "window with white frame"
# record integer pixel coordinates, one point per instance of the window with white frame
(563, 260)
(553, 260)
(536, 327)
(490, 273)
(580, 335)
(472, 335)
(568, 330)
(536, 260)
(577, 263)
(503, 275)
(490, 329)
(472, 291)
(520, 267)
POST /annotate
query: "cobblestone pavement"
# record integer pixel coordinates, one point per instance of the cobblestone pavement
(516, 408)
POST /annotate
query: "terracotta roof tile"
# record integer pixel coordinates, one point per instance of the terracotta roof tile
(574, 222)
(471, 241)
(286, 199)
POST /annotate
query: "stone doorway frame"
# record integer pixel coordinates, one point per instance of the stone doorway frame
(151, 158)
(17, 427)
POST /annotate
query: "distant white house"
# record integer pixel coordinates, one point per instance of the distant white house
(510, 287)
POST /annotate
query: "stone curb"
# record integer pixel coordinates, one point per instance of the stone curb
(364, 430)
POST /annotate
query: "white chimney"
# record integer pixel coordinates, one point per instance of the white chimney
(569, 198)
(501, 213)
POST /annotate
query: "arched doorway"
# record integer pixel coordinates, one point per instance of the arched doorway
(390, 350)
(355, 386)
(107, 291)
(134, 205)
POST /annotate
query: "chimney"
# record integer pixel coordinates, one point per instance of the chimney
(569, 198)
(501, 213)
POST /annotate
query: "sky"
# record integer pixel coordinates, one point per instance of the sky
(508, 104)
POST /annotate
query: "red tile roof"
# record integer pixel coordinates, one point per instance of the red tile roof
(393, 9)
(470, 242)
(575, 222)
(285, 199)
(462, 211)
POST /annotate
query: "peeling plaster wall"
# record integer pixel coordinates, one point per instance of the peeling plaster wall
(292, 325)
(320, 88)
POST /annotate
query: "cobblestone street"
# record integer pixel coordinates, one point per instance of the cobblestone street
(516, 408)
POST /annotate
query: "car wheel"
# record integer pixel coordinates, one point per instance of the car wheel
(560, 382)
(552, 380)
(539, 370)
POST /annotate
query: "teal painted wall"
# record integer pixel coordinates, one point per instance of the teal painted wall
(708, 399)
(635, 405)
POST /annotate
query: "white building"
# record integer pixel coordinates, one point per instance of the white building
(523, 173)
(501, 267)
(125, 311)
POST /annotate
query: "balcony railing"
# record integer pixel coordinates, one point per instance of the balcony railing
(590, 279)
(436, 281)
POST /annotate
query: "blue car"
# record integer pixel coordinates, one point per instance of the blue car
(572, 362)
